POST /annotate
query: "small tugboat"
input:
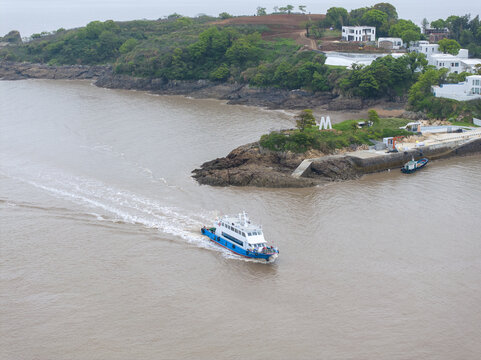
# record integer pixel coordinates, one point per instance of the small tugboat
(239, 235)
(412, 166)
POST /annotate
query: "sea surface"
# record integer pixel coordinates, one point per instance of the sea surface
(101, 255)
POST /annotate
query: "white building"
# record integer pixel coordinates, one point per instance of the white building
(454, 63)
(359, 33)
(469, 65)
(390, 43)
(424, 47)
(468, 90)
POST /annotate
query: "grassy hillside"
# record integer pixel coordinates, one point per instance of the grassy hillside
(184, 49)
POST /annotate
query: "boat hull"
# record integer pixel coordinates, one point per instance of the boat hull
(237, 249)
(420, 164)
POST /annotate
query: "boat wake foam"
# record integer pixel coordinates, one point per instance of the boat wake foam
(107, 203)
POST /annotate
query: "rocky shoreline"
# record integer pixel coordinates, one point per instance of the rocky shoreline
(241, 94)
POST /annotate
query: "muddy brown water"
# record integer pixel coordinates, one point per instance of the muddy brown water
(101, 256)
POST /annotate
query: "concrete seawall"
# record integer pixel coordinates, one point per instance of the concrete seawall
(355, 164)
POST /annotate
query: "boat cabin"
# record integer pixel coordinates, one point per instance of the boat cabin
(411, 165)
(240, 231)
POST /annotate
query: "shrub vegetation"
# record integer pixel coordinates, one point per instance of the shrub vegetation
(343, 135)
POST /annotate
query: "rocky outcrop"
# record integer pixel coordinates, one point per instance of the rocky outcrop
(19, 71)
(249, 165)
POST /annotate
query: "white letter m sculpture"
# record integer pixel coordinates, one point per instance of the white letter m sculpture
(325, 123)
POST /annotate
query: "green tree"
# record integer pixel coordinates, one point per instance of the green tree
(221, 73)
(128, 45)
(261, 11)
(449, 46)
(174, 16)
(356, 15)
(416, 62)
(438, 24)
(388, 9)
(225, 15)
(373, 116)
(409, 36)
(374, 18)
(242, 51)
(302, 8)
(289, 8)
(401, 26)
(421, 90)
(109, 45)
(337, 17)
(456, 25)
(93, 29)
(454, 78)
(305, 120)
(424, 25)
(319, 82)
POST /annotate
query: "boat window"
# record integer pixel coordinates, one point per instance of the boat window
(233, 239)
(243, 234)
(259, 232)
(250, 234)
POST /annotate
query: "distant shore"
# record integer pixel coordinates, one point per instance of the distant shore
(240, 94)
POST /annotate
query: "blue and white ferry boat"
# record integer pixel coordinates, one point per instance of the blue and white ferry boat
(239, 235)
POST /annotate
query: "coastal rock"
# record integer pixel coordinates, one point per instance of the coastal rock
(249, 165)
(414, 115)
(343, 103)
(19, 71)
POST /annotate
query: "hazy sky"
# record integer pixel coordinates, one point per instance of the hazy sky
(30, 16)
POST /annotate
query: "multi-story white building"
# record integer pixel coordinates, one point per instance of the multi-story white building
(454, 63)
(359, 33)
(467, 90)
